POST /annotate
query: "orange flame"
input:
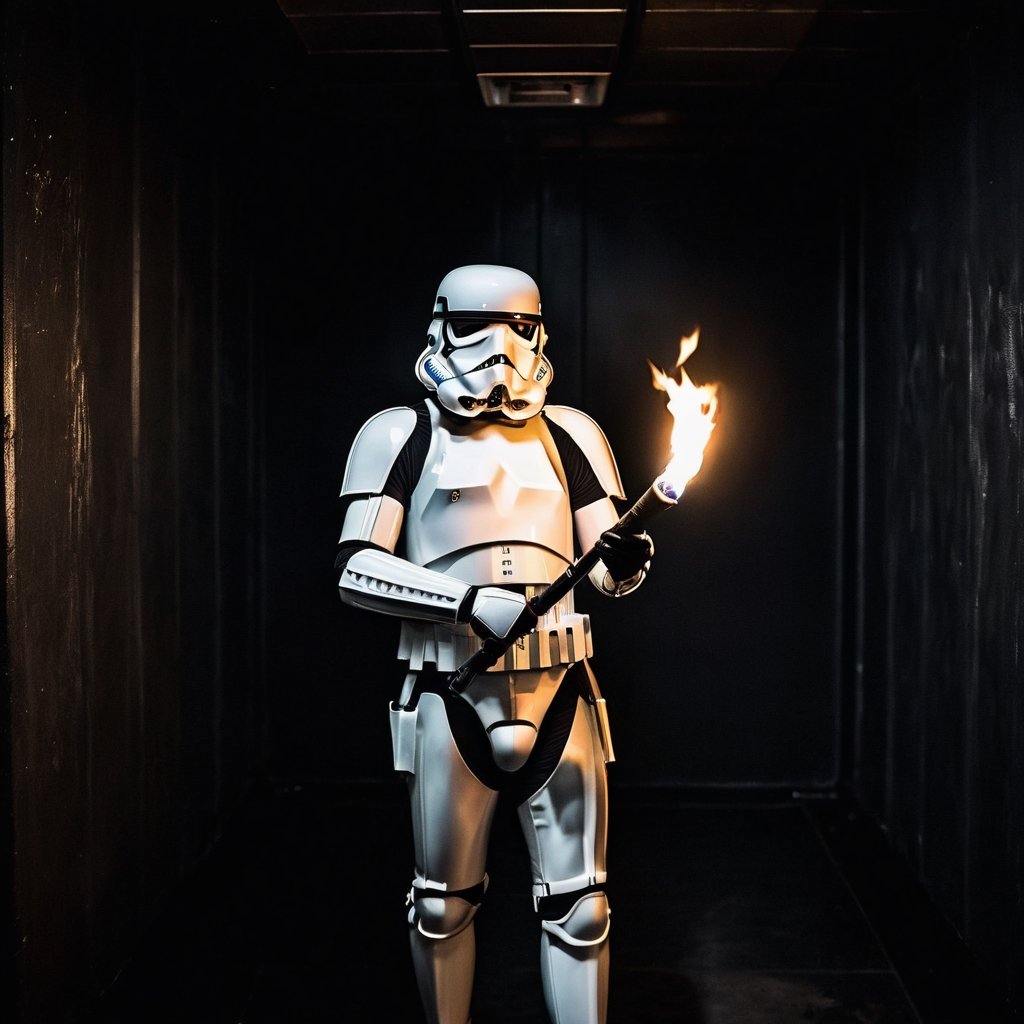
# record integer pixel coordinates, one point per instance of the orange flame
(693, 408)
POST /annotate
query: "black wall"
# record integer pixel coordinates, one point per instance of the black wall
(937, 737)
(133, 416)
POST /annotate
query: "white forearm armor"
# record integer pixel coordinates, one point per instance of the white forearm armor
(382, 582)
(385, 583)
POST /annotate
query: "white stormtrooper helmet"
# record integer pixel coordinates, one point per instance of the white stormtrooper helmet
(485, 345)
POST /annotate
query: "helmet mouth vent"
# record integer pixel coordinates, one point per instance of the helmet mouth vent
(499, 398)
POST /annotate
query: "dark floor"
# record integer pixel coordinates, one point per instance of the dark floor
(744, 910)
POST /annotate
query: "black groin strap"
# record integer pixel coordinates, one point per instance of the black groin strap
(475, 748)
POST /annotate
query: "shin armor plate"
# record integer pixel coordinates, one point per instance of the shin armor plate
(574, 962)
(444, 949)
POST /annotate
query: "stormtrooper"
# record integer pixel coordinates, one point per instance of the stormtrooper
(459, 509)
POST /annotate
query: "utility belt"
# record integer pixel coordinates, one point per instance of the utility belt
(562, 637)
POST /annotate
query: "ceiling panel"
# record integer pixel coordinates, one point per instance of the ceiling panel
(653, 66)
(541, 27)
(360, 33)
(724, 29)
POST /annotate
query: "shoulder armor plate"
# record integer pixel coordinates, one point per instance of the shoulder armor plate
(590, 437)
(375, 449)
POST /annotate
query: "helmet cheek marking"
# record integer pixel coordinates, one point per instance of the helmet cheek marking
(435, 372)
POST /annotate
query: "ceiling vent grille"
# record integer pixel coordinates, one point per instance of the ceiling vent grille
(543, 90)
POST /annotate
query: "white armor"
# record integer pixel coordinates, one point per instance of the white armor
(459, 511)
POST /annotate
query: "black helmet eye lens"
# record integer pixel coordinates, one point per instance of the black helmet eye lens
(524, 328)
(464, 328)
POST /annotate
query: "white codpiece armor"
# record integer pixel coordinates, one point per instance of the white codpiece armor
(459, 510)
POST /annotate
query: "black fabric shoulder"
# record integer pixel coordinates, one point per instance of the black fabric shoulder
(584, 486)
(405, 472)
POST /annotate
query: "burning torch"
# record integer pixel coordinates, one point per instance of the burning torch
(693, 409)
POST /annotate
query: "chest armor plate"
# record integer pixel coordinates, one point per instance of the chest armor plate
(485, 489)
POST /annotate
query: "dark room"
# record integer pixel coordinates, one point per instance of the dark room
(342, 339)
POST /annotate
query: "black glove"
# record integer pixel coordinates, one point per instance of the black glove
(624, 554)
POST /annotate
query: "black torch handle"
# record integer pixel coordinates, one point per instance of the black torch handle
(653, 501)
